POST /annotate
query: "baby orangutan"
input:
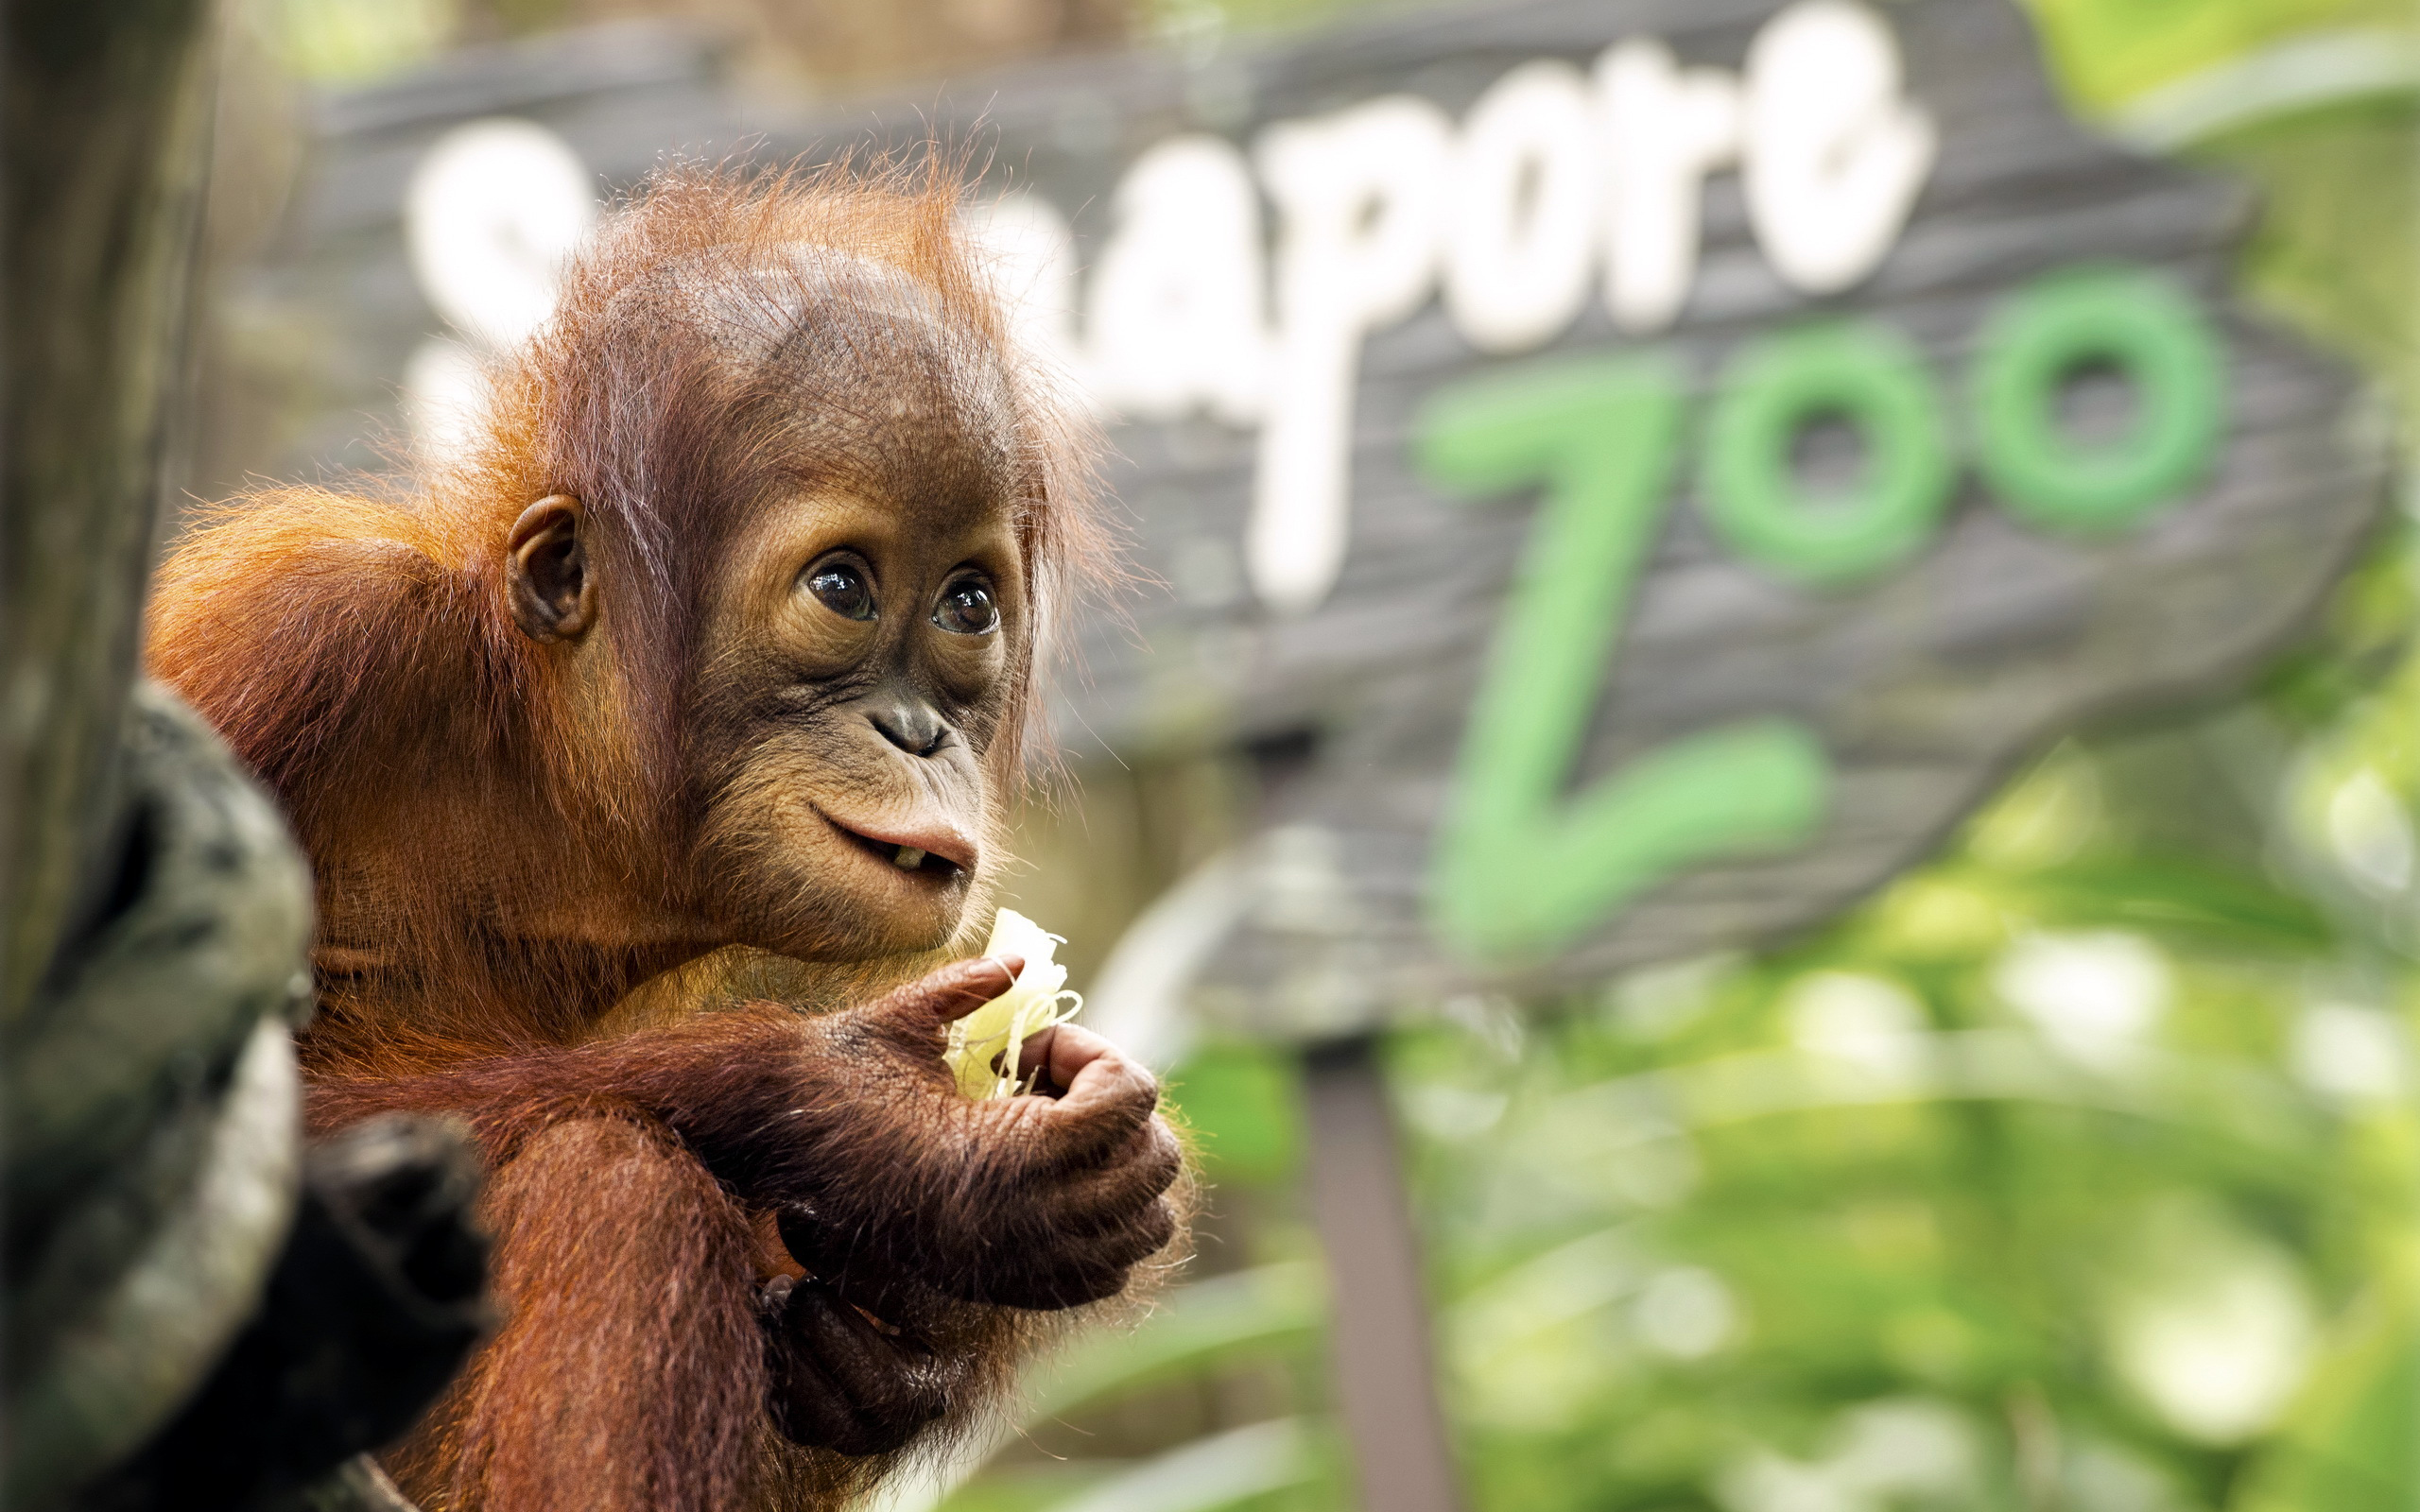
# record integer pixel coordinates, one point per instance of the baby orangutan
(721, 635)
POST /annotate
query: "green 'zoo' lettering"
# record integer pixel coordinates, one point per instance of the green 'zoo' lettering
(2135, 322)
(1868, 375)
(1516, 870)
(1520, 869)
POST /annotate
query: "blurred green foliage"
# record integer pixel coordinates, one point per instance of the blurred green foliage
(2076, 1170)
(2107, 52)
(1242, 1108)
(345, 41)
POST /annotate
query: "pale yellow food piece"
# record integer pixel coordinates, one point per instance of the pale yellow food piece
(1033, 1003)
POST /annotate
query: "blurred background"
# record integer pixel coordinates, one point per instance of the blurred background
(2075, 1166)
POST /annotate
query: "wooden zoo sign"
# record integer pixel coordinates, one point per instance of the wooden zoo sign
(1672, 461)
(1641, 471)
(1522, 870)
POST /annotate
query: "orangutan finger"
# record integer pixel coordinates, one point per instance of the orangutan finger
(807, 1407)
(1098, 1072)
(913, 1012)
(1111, 1194)
(1071, 1272)
(1064, 1260)
(888, 1383)
(1133, 1236)
(1111, 1099)
(1058, 1054)
(869, 1367)
(863, 1280)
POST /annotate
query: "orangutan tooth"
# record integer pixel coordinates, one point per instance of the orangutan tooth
(908, 858)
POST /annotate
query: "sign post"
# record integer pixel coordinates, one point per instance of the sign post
(1381, 1353)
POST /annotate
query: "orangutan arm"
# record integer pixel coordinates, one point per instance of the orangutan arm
(850, 1126)
(628, 1375)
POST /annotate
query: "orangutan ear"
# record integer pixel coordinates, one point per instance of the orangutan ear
(546, 575)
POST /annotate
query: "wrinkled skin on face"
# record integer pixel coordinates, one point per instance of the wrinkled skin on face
(852, 682)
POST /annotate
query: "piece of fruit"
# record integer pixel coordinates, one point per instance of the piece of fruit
(1033, 1003)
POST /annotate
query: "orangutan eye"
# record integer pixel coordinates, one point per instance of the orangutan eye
(967, 608)
(841, 586)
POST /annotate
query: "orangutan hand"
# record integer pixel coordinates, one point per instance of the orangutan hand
(838, 1380)
(1047, 1200)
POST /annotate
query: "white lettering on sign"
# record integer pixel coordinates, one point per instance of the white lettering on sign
(1666, 128)
(1031, 257)
(1556, 179)
(1552, 176)
(1362, 207)
(1521, 222)
(492, 212)
(1175, 308)
(1834, 155)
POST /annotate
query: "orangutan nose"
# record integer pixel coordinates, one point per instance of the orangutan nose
(907, 721)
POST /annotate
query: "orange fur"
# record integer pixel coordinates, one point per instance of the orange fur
(504, 851)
